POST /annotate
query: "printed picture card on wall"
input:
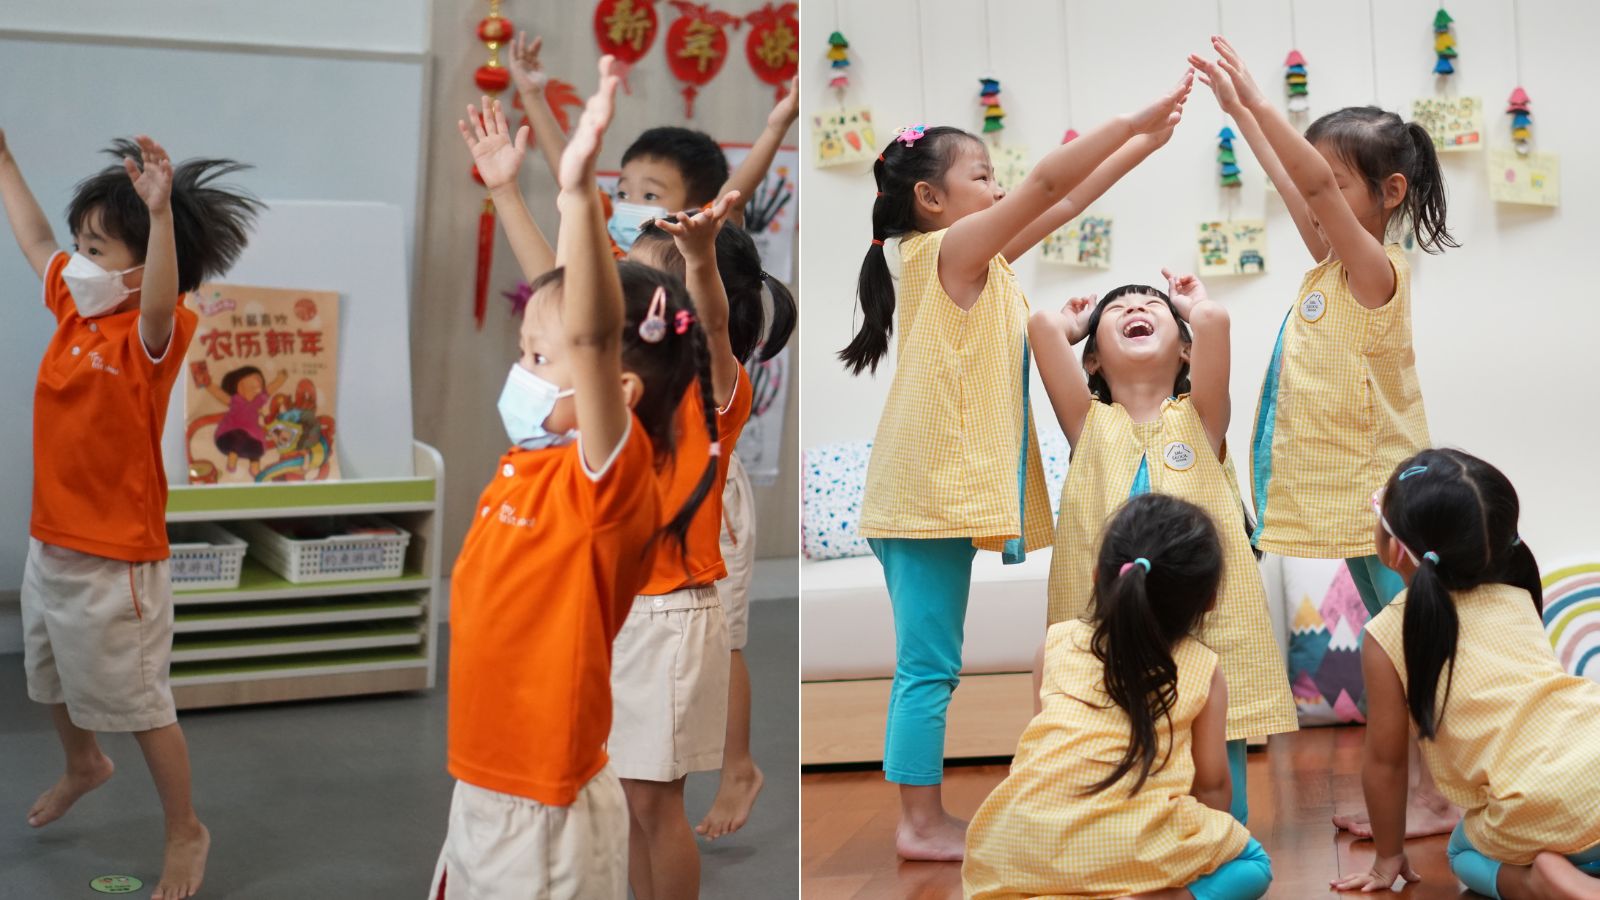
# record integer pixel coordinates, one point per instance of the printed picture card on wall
(1533, 179)
(1234, 247)
(1454, 123)
(843, 136)
(1010, 164)
(1084, 242)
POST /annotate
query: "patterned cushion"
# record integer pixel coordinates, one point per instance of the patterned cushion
(1572, 618)
(834, 477)
(1326, 617)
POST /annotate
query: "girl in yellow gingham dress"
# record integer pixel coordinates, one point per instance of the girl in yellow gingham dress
(955, 464)
(1120, 785)
(1511, 737)
(1136, 427)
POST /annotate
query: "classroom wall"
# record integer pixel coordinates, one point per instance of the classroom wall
(1504, 326)
(458, 370)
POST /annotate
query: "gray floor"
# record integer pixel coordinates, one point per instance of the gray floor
(344, 799)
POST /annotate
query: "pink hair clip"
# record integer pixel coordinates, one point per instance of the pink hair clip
(682, 321)
(654, 327)
(910, 134)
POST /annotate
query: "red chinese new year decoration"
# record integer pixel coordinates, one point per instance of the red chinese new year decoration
(558, 95)
(625, 29)
(697, 47)
(491, 78)
(773, 46)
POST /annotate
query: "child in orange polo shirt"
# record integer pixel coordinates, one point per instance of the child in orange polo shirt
(96, 593)
(565, 536)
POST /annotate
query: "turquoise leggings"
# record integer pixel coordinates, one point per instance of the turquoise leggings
(929, 581)
(1240, 806)
(1375, 582)
(1482, 874)
(1245, 877)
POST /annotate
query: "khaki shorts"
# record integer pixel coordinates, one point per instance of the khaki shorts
(738, 551)
(669, 687)
(504, 847)
(97, 636)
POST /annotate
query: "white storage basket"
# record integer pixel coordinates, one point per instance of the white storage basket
(205, 557)
(343, 557)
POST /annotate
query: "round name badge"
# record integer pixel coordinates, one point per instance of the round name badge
(1313, 306)
(1178, 456)
(116, 884)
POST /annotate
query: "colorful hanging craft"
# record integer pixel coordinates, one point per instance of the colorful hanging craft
(697, 47)
(839, 62)
(1228, 164)
(1521, 121)
(491, 78)
(993, 113)
(773, 45)
(625, 29)
(1444, 43)
(1294, 82)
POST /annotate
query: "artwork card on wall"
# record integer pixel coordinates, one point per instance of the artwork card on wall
(259, 385)
(1010, 164)
(842, 136)
(769, 212)
(1533, 179)
(761, 444)
(1454, 123)
(1085, 242)
(1234, 247)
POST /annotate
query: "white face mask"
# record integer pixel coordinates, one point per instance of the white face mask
(525, 402)
(94, 290)
(628, 218)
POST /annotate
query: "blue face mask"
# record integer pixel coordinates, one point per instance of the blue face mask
(525, 403)
(628, 218)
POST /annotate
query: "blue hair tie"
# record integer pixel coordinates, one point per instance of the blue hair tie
(1432, 557)
(1414, 470)
(1140, 561)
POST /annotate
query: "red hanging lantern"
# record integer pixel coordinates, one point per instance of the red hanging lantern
(491, 78)
(697, 47)
(772, 47)
(625, 29)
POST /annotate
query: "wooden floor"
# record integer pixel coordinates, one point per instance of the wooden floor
(847, 822)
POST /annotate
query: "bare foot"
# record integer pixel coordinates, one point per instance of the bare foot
(1422, 819)
(1555, 876)
(185, 864)
(736, 794)
(54, 803)
(944, 841)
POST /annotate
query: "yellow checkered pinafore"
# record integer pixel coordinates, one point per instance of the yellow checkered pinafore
(945, 460)
(1176, 454)
(1037, 834)
(1518, 742)
(1340, 408)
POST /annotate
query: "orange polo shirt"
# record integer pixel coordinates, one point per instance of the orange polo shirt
(544, 581)
(98, 411)
(704, 561)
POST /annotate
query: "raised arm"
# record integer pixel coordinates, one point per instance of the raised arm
(528, 74)
(158, 292)
(1078, 199)
(695, 233)
(1213, 782)
(1228, 98)
(592, 308)
(975, 239)
(1209, 357)
(1384, 760)
(498, 157)
(753, 169)
(1051, 335)
(28, 223)
(1366, 263)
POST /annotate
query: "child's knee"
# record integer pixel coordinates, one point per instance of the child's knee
(652, 802)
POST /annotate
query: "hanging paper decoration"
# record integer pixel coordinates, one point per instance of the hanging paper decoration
(1444, 43)
(839, 62)
(491, 78)
(625, 29)
(697, 47)
(1228, 163)
(993, 114)
(773, 45)
(1521, 121)
(1294, 82)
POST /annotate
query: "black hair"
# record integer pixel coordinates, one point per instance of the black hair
(739, 265)
(1458, 514)
(1378, 143)
(898, 170)
(1140, 615)
(230, 381)
(667, 369)
(1098, 386)
(699, 159)
(210, 223)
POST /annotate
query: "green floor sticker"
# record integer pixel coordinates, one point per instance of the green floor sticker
(116, 884)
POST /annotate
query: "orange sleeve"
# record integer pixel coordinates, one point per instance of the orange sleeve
(57, 298)
(620, 488)
(184, 324)
(731, 421)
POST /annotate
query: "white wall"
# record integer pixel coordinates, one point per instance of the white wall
(1505, 326)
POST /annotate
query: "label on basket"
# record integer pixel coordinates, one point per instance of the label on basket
(353, 558)
(196, 568)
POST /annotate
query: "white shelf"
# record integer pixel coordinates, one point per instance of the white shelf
(332, 668)
(289, 618)
(246, 650)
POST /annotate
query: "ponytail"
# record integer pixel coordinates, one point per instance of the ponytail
(875, 292)
(1141, 676)
(1425, 196)
(785, 312)
(1522, 571)
(678, 527)
(1428, 632)
(1376, 144)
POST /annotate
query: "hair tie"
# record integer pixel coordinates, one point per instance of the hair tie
(877, 243)
(682, 321)
(766, 277)
(910, 134)
(654, 327)
(880, 157)
(1140, 562)
(880, 193)
(1516, 540)
(1432, 557)
(1414, 470)
(716, 449)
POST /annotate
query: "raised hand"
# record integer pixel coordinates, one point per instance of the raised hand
(495, 152)
(1185, 290)
(1385, 869)
(583, 148)
(1167, 110)
(527, 73)
(153, 182)
(695, 231)
(1250, 95)
(1221, 85)
(1078, 311)
(787, 110)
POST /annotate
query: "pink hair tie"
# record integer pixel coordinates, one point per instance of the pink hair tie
(716, 449)
(682, 321)
(654, 327)
(1141, 562)
(910, 134)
